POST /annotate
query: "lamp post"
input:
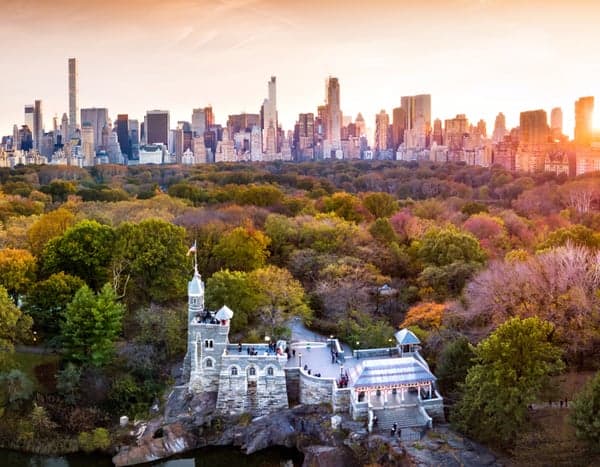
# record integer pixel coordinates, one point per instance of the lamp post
(341, 370)
(357, 349)
(300, 360)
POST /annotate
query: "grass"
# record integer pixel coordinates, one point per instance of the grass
(27, 362)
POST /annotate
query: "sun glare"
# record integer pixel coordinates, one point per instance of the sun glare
(596, 119)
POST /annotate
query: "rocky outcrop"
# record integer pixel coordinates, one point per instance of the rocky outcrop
(191, 423)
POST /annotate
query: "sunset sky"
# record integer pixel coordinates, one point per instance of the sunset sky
(477, 57)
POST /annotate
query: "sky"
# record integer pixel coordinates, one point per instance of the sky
(477, 57)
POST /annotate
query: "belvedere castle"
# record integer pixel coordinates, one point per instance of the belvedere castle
(380, 386)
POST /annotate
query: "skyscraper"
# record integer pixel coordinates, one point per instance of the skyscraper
(88, 145)
(269, 111)
(38, 124)
(73, 96)
(97, 118)
(157, 127)
(533, 141)
(382, 124)
(334, 114)
(499, 128)
(584, 109)
(418, 118)
(198, 122)
(438, 133)
(556, 123)
(455, 130)
(123, 135)
(29, 111)
(398, 126)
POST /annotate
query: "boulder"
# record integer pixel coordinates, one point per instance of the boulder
(328, 456)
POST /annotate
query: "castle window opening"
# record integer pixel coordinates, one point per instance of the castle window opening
(234, 371)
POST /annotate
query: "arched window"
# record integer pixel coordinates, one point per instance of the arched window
(209, 344)
(234, 371)
(208, 363)
(252, 371)
(270, 371)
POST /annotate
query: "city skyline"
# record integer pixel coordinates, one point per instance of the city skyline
(474, 58)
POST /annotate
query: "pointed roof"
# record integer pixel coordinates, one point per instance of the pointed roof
(406, 337)
(224, 313)
(195, 286)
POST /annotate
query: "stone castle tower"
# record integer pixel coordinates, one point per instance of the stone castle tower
(248, 378)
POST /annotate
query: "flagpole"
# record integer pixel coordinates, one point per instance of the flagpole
(195, 256)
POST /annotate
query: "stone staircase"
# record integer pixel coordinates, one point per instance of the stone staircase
(409, 420)
(251, 398)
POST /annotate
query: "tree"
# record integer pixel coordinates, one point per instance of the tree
(17, 271)
(512, 367)
(344, 205)
(380, 204)
(575, 235)
(383, 231)
(92, 324)
(236, 289)
(242, 249)
(67, 382)
(47, 227)
(280, 298)
(558, 285)
(149, 261)
(362, 331)
(14, 325)
(426, 315)
(441, 247)
(47, 300)
(84, 250)
(453, 365)
(585, 413)
(18, 388)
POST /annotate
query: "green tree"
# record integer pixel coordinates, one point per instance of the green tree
(67, 382)
(380, 204)
(512, 367)
(280, 297)
(383, 231)
(92, 324)
(18, 388)
(17, 271)
(344, 205)
(362, 331)
(242, 249)
(96, 440)
(576, 235)
(236, 289)
(14, 325)
(149, 261)
(453, 365)
(585, 413)
(84, 250)
(47, 300)
(444, 246)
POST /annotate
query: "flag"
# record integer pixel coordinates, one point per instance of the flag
(192, 249)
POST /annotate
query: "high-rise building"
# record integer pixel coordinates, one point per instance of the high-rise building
(382, 124)
(97, 118)
(584, 110)
(334, 115)
(157, 127)
(481, 129)
(123, 135)
(38, 124)
(304, 136)
(242, 122)
(398, 126)
(64, 128)
(87, 144)
(134, 138)
(418, 118)
(73, 96)
(455, 131)
(533, 141)
(499, 128)
(438, 133)
(198, 122)
(269, 111)
(556, 123)
(28, 116)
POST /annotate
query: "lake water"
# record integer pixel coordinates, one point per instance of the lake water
(209, 457)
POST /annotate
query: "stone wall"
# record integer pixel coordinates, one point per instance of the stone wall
(435, 409)
(342, 398)
(258, 387)
(314, 390)
(292, 381)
